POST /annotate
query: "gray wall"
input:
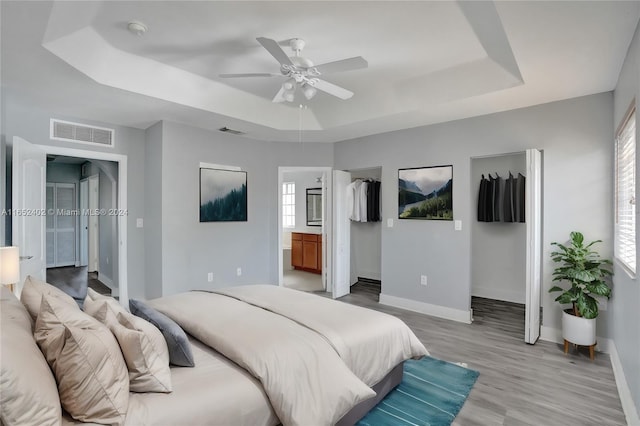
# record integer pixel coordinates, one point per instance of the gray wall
(32, 124)
(3, 186)
(623, 312)
(153, 210)
(366, 239)
(63, 173)
(576, 138)
(191, 249)
(498, 249)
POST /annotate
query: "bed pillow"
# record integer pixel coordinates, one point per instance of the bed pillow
(22, 402)
(33, 290)
(177, 342)
(94, 302)
(143, 346)
(93, 382)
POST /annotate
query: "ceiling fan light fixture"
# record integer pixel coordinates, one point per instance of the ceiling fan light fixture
(288, 95)
(288, 85)
(309, 91)
(136, 27)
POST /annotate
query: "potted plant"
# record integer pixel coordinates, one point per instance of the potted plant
(587, 273)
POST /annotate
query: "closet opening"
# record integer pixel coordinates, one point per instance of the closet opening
(366, 233)
(505, 243)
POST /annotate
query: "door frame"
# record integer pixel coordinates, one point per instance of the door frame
(327, 237)
(121, 159)
(83, 224)
(93, 234)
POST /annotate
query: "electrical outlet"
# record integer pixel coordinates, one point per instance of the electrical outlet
(239, 271)
(210, 277)
(423, 280)
(458, 225)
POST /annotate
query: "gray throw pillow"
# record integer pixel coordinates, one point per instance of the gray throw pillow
(177, 342)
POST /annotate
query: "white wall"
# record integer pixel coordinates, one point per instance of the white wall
(498, 249)
(191, 249)
(366, 239)
(576, 138)
(623, 312)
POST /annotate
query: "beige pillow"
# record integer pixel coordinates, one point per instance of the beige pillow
(94, 302)
(33, 290)
(92, 377)
(28, 393)
(143, 346)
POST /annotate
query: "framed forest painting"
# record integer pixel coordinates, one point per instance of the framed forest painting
(223, 195)
(425, 193)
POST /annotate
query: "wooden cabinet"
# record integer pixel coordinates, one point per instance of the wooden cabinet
(306, 252)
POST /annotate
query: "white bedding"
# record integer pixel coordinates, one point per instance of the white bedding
(371, 343)
(306, 381)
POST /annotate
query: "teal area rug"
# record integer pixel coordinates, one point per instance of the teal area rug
(431, 393)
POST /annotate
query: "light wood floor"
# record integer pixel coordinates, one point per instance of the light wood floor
(519, 384)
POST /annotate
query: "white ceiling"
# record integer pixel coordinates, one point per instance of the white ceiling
(429, 62)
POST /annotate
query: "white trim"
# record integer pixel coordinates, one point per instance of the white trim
(121, 159)
(427, 308)
(219, 167)
(499, 294)
(554, 335)
(55, 120)
(626, 399)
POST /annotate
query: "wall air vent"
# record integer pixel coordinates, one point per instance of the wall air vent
(81, 133)
(228, 130)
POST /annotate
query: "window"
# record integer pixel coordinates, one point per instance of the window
(289, 205)
(625, 226)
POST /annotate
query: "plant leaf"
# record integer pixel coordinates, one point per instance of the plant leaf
(555, 288)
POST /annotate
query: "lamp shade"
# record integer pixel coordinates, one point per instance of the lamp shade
(9, 265)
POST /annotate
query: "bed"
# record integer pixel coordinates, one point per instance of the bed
(266, 355)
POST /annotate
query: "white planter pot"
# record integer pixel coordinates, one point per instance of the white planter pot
(578, 330)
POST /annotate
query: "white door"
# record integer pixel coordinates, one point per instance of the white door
(29, 207)
(341, 235)
(533, 216)
(94, 205)
(84, 223)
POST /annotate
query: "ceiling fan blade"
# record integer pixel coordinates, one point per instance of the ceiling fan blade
(255, 74)
(331, 88)
(349, 64)
(276, 51)
(279, 97)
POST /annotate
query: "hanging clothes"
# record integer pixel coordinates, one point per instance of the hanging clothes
(363, 201)
(520, 198)
(501, 200)
(508, 208)
(353, 200)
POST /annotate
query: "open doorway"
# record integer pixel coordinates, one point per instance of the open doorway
(81, 234)
(303, 226)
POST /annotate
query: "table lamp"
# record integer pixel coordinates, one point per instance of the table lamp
(9, 266)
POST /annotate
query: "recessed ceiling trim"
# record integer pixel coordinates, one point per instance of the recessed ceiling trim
(90, 54)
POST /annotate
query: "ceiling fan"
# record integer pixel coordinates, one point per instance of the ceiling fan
(302, 73)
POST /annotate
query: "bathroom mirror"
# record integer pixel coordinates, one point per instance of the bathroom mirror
(314, 206)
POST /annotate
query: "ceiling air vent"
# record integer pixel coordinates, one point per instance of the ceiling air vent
(228, 130)
(76, 132)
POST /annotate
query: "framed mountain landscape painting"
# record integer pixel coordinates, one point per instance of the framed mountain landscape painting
(223, 195)
(425, 193)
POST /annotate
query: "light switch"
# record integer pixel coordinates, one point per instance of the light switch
(390, 223)
(458, 225)
(139, 223)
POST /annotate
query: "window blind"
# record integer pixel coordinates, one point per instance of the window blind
(625, 226)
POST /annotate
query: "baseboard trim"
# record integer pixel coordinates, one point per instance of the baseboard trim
(498, 294)
(626, 399)
(427, 308)
(554, 335)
